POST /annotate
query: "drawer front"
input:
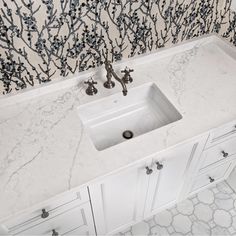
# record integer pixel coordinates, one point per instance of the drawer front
(81, 231)
(52, 208)
(222, 133)
(215, 175)
(218, 152)
(78, 219)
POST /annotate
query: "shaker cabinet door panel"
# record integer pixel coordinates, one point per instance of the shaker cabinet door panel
(118, 201)
(167, 182)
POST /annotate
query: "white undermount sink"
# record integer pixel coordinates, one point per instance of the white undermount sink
(144, 109)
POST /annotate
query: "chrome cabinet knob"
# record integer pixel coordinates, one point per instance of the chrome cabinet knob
(159, 165)
(225, 154)
(148, 170)
(54, 233)
(44, 214)
(211, 179)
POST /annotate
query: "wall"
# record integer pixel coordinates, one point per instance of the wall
(228, 31)
(47, 39)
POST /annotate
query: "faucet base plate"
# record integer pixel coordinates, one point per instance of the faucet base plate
(109, 84)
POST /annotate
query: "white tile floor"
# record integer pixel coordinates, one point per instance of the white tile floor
(210, 212)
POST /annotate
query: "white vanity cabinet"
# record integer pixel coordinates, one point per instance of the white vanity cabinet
(124, 198)
(118, 200)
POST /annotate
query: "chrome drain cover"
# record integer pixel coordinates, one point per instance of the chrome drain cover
(128, 134)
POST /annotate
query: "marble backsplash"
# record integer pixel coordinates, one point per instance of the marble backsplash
(47, 39)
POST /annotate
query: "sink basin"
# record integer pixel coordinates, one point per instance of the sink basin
(115, 119)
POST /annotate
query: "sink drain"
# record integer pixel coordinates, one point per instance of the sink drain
(127, 134)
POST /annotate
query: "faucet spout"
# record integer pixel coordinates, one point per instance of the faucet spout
(116, 77)
(111, 73)
(124, 92)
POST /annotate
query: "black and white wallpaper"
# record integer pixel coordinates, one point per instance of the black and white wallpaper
(41, 40)
(230, 30)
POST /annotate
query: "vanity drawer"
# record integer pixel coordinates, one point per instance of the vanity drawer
(218, 153)
(214, 175)
(51, 208)
(78, 219)
(81, 231)
(222, 133)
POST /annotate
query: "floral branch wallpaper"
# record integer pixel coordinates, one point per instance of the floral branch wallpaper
(230, 32)
(41, 40)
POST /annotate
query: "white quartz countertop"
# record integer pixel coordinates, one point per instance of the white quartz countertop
(44, 149)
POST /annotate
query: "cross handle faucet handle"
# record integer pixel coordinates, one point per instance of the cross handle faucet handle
(127, 70)
(127, 78)
(91, 90)
(90, 81)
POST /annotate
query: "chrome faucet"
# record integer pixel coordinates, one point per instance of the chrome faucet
(111, 84)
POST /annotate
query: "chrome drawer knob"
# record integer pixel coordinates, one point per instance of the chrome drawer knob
(211, 179)
(148, 170)
(225, 154)
(44, 214)
(159, 165)
(54, 233)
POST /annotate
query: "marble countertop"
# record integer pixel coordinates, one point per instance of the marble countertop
(44, 150)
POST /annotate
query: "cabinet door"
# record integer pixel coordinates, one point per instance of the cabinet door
(118, 200)
(170, 171)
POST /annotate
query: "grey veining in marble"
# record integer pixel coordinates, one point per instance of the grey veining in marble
(44, 149)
